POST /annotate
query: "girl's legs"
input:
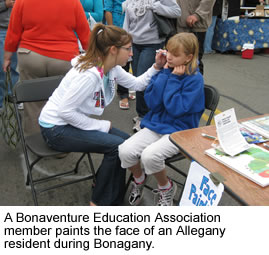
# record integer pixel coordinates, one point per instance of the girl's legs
(153, 159)
(153, 149)
(130, 151)
(110, 177)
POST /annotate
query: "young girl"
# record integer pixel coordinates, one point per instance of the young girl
(86, 90)
(175, 97)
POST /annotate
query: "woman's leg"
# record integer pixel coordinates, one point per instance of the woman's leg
(110, 177)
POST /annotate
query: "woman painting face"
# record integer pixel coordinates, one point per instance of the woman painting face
(124, 53)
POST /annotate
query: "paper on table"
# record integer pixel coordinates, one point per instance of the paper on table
(229, 135)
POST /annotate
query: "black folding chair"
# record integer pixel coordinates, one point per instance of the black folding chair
(211, 102)
(34, 91)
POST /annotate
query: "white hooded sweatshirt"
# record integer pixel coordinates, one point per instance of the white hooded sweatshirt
(82, 94)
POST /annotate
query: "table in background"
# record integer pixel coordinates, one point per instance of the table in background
(193, 145)
(232, 34)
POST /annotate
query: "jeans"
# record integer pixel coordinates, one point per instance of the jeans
(122, 91)
(13, 66)
(110, 177)
(209, 36)
(201, 39)
(143, 59)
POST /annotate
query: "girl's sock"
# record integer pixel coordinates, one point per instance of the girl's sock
(140, 179)
(167, 186)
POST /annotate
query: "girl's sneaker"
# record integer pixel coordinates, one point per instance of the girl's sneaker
(136, 126)
(166, 196)
(136, 192)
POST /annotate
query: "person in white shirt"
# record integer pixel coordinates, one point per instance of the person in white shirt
(67, 120)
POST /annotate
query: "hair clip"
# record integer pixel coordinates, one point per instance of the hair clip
(100, 31)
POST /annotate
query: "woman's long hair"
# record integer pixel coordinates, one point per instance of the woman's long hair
(102, 38)
(189, 44)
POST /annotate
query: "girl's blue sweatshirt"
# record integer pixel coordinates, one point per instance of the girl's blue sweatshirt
(175, 102)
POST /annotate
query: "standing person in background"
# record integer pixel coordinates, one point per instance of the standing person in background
(93, 8)
(139, 22)
(5, 11)
(115, 16)
(43, 33)
(217, 10)
(196, 18)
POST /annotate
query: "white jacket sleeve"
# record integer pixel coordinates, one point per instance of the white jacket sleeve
(80, 91)
(129, 81)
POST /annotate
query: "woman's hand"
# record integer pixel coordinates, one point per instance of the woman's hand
(7, 60)
(160, 59)
(179, 70)
(10, 3)
(191, 20)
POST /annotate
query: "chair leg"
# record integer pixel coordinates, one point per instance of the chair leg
(92, 167)
(78, 162)
(128, 182)
(31, 168)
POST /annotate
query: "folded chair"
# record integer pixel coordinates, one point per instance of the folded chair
(33, 91)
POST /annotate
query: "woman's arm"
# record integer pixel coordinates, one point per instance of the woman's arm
(167, 8)
(139, 83)
(97, 12)
(7, 60)
(15, 27)
(108, 8)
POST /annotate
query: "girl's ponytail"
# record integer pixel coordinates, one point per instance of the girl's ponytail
(102, 38)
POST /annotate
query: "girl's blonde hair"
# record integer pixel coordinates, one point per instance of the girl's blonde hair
(101, 39)
(189, 44)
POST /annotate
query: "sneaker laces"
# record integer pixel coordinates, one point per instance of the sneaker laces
(164, 195)
(159, 194)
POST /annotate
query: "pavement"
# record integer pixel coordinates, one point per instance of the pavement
(242, 83)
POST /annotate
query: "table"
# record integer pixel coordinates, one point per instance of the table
(232, 34)
(193, 145)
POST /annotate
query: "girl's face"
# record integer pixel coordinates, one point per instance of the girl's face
(177, 60)
(124, 53)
